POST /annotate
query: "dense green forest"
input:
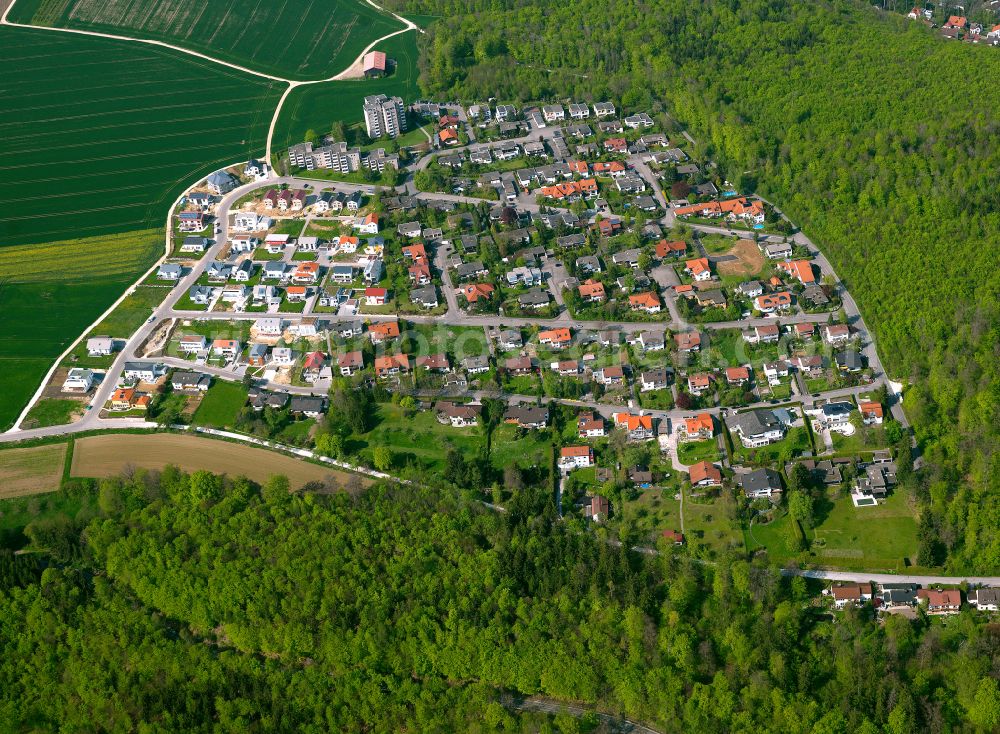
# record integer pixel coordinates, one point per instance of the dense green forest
(197, 603)
(875, 135)
(193, 603)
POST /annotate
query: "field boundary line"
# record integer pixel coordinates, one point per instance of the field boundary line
(408, 25)
(148, 41)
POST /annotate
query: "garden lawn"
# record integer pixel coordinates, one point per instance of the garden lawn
(308, 39)
(419, 438)
(691, 452)
(651, 512)
(795, 442)
(875, 538)
(221, 404)
(711, 528)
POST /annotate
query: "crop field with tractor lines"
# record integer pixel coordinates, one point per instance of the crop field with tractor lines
(100, 136)
(300, 39)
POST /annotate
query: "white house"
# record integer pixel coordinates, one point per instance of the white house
(78, 380)
(100, 346)
(576, 457)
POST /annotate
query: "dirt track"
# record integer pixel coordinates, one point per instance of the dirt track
(101, 456)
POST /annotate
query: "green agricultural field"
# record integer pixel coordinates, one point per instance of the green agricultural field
(318, 106)
(93, 150)
(94, 141)
(221, 404)
(308, 39)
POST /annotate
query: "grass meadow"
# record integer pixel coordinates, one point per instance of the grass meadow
(308, 39)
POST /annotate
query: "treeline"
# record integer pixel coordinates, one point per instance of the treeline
(874, 134)
(198, 603)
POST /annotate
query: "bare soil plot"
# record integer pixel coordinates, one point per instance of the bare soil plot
(101, 456)
(31, 470)
(747, 260)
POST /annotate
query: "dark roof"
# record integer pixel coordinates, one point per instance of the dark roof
(760, 479)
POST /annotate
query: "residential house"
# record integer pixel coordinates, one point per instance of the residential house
(509, 339)
(375, 296)
(777, 250)
(282, 357)
(187, 381)
(598, 509)
(192, 343)
(476, 365)
(268, 327)
(351, 362)
(592, 291)
(704, 474)
(836, 333)
(383, 331)
(845, 595)
(688, 341)
(312, 366)
(629, 258)
(640, 476)
(434, 362)
(985, 599)
(898, 595)
(871, 413)
(699, 383)
(533, 299)
(773, 302)
(575, 457)
(257, 354)
(610, 375)
(698, 427)
(699, 269)
(457, 414)
(591, 425)
(636, 427)
(947, 601)
(476, 291)
(527, 416)
(307, 405)
(519, 366)
(809, 365)
(651, 341)
(394, 364)
(760, 483)
(654, 379)
(738, 375)
(757, 428)
(670, 248)
(425, 297)
(799, 269)
(648, 302)
(78, 380)
(100, 346)
(850, 361)
(559, 338)
(227, 348)
(774, 371)
(142, 372)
